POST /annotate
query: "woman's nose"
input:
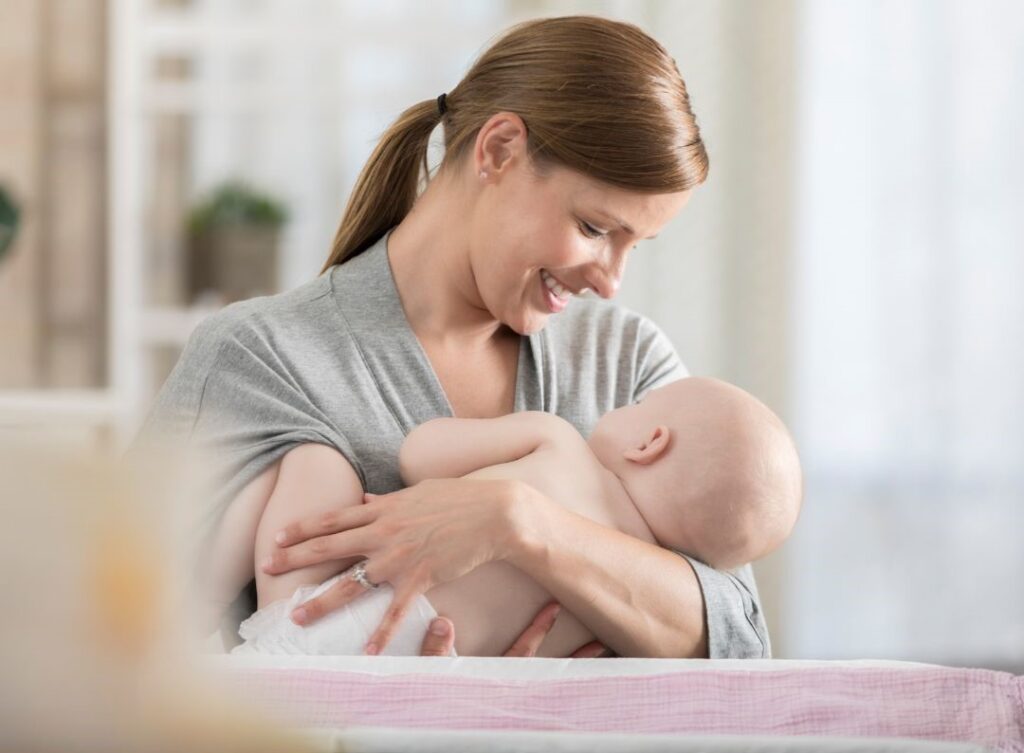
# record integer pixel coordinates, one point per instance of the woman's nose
(604, 278)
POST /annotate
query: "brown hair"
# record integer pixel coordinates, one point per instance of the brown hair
(597, 96)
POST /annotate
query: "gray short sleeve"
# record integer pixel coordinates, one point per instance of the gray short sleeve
(735, 622)
(252, 413)
(658, 362)
(232, 395)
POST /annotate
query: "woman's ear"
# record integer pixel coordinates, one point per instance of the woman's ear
(652, 448)
(500, 138)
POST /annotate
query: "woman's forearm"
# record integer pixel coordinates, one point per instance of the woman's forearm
(637, 598)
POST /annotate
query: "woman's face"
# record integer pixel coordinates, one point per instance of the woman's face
(539, 239)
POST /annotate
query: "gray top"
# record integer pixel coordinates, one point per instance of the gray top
(335, 361)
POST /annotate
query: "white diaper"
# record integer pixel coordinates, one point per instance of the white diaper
(344, 631)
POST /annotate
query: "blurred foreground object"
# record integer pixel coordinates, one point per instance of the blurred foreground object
(94, 643)
(233, 241)
(8, 222)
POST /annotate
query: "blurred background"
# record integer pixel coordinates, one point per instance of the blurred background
(855, 258)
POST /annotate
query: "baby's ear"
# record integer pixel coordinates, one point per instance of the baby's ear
(652, 448)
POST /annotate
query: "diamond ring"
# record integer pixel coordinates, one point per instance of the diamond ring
(359, 576)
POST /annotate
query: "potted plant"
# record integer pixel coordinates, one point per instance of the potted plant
(9, 217)
(233, 245)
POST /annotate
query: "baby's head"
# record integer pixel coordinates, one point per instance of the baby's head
(711, 469)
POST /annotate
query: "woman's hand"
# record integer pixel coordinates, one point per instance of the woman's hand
(414, 539)
(440, 637)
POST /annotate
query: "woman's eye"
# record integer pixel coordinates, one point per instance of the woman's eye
(590, 231)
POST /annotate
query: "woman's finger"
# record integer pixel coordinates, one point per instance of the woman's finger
(531, 638)
(332, 521)
(343, 592)
(440, 638)
(591, 650)
(336, 546)
(403, 599)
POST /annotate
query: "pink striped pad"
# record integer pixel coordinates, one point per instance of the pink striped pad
(956, 705)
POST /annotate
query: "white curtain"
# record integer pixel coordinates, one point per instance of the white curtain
(908, 388)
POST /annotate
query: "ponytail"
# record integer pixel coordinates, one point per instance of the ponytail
(386, 188)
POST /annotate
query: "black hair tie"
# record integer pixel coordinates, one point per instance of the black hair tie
(442, 104)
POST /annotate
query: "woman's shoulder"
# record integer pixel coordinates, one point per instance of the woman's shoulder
(259, 317)
(240, 359)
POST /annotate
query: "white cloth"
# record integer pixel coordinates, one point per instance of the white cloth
(343, 632)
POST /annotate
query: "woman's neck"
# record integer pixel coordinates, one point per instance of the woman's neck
(430, 260)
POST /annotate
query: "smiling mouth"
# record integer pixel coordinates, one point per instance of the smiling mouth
(550, 291)
(560, 291)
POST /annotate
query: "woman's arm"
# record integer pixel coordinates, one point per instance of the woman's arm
(637, 598)
(226, 565)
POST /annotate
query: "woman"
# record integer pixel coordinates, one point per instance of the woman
(568, 141)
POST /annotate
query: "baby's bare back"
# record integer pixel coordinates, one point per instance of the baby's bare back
(492, 605)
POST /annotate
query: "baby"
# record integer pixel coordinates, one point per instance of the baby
(698, 465)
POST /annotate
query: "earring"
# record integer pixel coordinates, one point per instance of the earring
(483, 175)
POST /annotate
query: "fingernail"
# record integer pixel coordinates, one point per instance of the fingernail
(281, 537)
(371, 649)
(267, 563)
(299, 616)
(555, 611)
(439, 627)
(369, 495)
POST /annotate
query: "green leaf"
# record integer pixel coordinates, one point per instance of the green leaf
(9, 217)
(236, 203)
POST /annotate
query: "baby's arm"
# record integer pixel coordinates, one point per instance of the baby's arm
(314, 479)
(453, 447)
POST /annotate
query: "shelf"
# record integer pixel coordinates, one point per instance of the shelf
(24, 407)
(168, 325)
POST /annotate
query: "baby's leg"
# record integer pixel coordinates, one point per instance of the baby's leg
(313, 479)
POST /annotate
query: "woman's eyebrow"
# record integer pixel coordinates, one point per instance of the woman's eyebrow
(622, 224)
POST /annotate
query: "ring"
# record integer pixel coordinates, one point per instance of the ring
(359, 576)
